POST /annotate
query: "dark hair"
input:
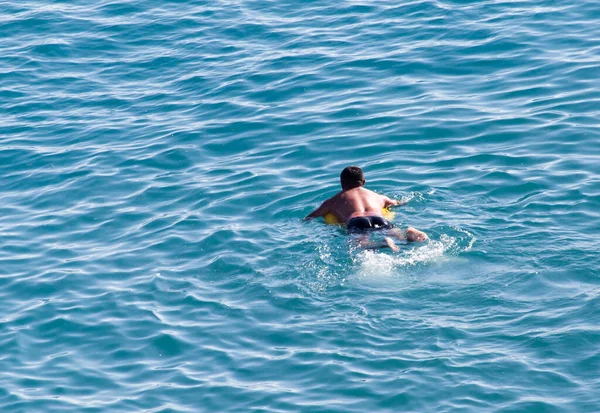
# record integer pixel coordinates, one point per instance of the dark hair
(352, 177)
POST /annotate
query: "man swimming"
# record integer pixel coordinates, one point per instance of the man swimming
(362, 211)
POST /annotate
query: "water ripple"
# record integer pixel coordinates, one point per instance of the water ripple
(158, 159)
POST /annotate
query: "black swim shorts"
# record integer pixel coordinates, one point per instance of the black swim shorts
(364, 224)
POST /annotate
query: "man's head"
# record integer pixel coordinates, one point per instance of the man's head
(352, 177)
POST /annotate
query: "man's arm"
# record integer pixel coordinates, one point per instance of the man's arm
(388, 202)
(319, 212)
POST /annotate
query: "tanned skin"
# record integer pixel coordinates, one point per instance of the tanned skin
(359, 201)
(355, 202)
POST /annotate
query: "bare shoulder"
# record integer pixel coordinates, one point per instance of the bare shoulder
(383, 199)
(335, 197)
(373, 194)
(369, 191)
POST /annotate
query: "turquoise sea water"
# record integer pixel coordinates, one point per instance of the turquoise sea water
(157, 158)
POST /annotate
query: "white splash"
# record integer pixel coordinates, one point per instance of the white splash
(382, 264)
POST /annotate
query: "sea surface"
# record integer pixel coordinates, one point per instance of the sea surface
(157, 159)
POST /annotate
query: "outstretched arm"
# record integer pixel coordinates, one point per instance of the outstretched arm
(319, 212)
(392, 202)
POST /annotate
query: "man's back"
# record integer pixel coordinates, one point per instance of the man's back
(362, 210)
(357, 202)
(354, 200)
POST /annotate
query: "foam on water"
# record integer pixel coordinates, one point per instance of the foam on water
(374, 264)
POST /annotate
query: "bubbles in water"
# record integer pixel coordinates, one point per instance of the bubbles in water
(383, 264)
(335, 260)
(325, 268)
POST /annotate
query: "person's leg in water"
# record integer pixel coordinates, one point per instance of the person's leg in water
(364, 243)
(362, 226)
(411, 234)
